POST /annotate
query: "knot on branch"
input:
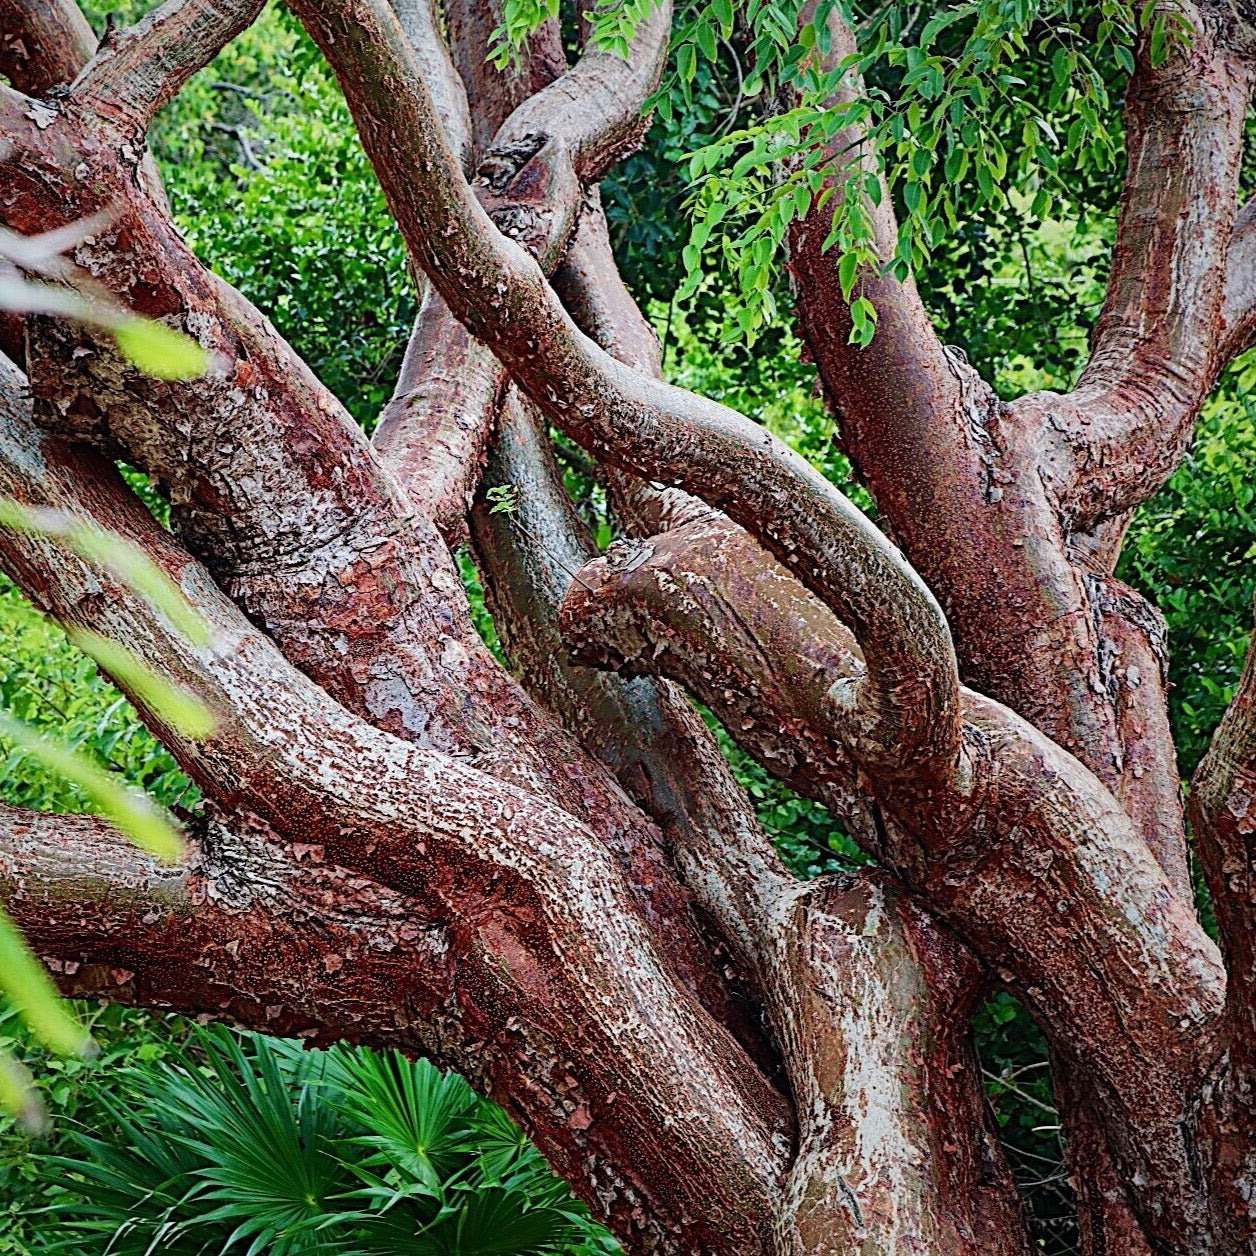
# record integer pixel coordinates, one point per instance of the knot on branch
(239, 863)
(530, 190)
(507, 160)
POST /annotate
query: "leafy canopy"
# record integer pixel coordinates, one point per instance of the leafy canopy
(949, 112)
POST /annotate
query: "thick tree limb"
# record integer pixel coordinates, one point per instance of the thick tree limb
(822, 954)
(421, 21)
(591, 288)
(891, 396)
(536, 910)
(1223, 817)
(1238, 311)
(43, 43)
(1020, 850)
(597, 104)
(877, 1043)
(140, 69)
(1038, 623)
(495, 93)
(306, 531)
(50, 857)
(113, 924)
(1122, 431)
(434, 429)
(906, 709)
(531, 179)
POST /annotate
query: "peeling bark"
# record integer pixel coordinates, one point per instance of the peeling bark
(1020, 849)
(540, 926)
(43, 43)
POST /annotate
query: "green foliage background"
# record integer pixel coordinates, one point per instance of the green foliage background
(273, 191)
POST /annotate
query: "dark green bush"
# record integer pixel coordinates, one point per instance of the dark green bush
(242, 1143)
(70, 1089)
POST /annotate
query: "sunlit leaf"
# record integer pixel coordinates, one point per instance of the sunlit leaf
(159, 350)
(128, 809)
(25, 982)
(179, 708)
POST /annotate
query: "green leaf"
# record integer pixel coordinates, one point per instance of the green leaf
(174, 704)
(18, 1096)
(847, 269)
(25, 982)
(159, 350)
(128, 809)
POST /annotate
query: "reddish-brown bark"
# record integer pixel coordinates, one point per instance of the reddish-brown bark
(553, 881)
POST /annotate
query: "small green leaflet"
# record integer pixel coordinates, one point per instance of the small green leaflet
(159, 350)
(123, 560)
(179, 708)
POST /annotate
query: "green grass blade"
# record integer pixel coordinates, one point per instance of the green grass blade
(27, 985)
(128, 809)
(172, 702)
(120, 557)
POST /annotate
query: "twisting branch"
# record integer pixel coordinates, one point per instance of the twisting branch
(536, 909)
(1122, 431)
(420, 19)
(1238, 311)
(531, 180)
(433, 431)
(590, 285)
(1022, 851)
(906, 711)
(139, 70)
(298, 521)
(821, 954)
(596, 105)
(767, 680)
(1223, 817)
(496, 93)
(43, 43)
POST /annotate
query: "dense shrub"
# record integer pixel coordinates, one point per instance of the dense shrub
(71, 1090)
(242, 1143)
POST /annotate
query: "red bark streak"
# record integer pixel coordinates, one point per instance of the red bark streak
(540, 934)
(1022, 851)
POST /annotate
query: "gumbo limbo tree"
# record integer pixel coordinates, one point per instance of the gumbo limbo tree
(548, 878)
